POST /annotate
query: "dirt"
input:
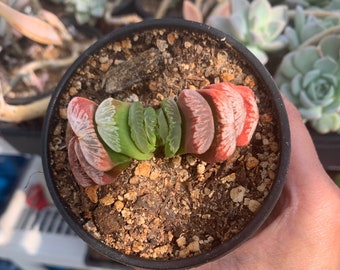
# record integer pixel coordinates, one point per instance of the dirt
(168, 208)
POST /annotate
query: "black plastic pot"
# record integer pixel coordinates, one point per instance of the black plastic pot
(262, 76)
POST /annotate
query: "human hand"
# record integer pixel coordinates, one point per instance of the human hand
(304, 228)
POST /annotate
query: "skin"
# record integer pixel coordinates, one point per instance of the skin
(303, 230)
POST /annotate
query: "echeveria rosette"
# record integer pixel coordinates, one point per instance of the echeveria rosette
(257, 25)
(310, 78)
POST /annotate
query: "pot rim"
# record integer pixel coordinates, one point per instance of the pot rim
(260, 72)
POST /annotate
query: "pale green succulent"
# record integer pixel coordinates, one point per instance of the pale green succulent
(257, 25)
(307, 27)
(85, 11)
(310, 78)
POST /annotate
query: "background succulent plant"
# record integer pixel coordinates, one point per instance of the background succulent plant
(85, 11)
(306, 27)
(310, 78)
(257, 25)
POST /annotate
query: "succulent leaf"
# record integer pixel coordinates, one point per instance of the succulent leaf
(98, 177)
(107, 126)
(326, 65)
(305, 59)
(150, 123)
(80, 114)
(112, 125)
(330, 47)
(78, 172)
(327, 123)
(224, 143)
(162, 128)
(252, 115)
(236, 101)
(174, 120)
(198, 122)
(137, 129)
(259, 12)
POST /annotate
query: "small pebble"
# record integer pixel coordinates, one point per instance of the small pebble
(237, 194)
(252, 162)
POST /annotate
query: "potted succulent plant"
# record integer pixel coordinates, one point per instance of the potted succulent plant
(151, 199)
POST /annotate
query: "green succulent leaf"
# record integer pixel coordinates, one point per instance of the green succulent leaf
(306, 101)
(304, 60)
(310, 77)
(107, 126)
(174, 119)
(286, 90)
(112, 118)
(118, 158)
(162, 128)
(292, 37)
(330, 47)
(287, 67)
(312, 28)
(259, 12)
(150, 123)
(311, 113)
(327, 123)
(136, 123)
(238, 27)
(296, 84)
(327, 65)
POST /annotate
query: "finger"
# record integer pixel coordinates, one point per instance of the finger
(307, 181)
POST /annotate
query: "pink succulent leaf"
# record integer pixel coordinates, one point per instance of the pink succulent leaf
(252, 118)
(198, 122)
(191, 12)
(99, 177)
(224, 143)
(236, 102)
(78, 172)
(221, 9)
(80, 114)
